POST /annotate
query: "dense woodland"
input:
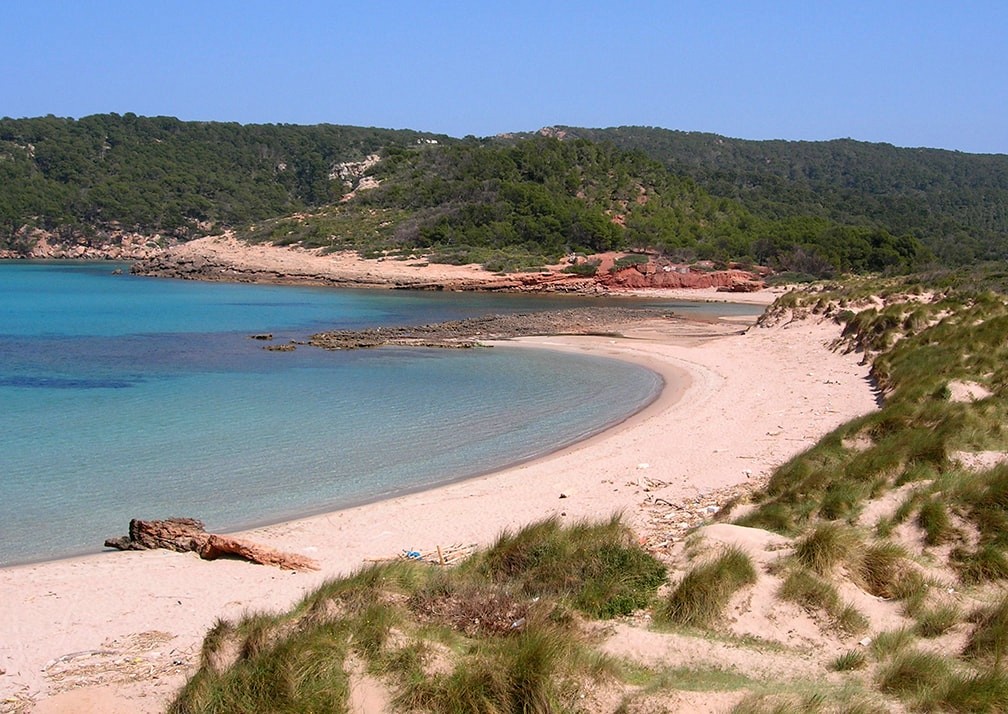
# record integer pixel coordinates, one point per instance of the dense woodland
(509, 202)
(956, 203)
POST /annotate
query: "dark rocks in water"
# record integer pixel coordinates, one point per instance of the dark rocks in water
(188, 534)
(263, 336)
(286, 347)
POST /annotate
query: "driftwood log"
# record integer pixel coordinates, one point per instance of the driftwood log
(188, 534)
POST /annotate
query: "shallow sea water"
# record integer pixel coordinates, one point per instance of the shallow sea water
(125, 397)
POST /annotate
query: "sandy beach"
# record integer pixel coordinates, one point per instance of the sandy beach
(123, 630)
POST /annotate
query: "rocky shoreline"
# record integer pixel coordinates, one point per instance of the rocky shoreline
(473, 332)
(224, 258)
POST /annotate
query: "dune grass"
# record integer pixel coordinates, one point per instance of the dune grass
(849, 660)
(597, 568)
(703, 593)
(815, 594)
(989, 638)
(826, 546)
(495, 634)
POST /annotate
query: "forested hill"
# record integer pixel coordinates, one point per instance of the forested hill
(956, 203)
(162, 174)
(505, 201)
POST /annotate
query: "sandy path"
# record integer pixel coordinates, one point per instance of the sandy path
(735, 406)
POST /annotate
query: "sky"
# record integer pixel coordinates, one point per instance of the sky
(919, 73)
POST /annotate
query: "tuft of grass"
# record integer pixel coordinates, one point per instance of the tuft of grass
(981, 692)
(913, 590)
(914, 674)
(825, 546)
(851, 620)
(300, 672)
(703, 593)
(499, 675)
(849, 660)
(815, 594)
(599, 568)
(985, 564)
(933, 519)
(989, 638)
(881, 568)
(891, 642)
(937, 621)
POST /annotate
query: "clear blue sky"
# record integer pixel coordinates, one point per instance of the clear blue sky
(909, 73)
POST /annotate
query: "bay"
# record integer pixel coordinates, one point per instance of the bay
(129, 397)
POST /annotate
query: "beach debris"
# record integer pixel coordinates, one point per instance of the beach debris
(447, 555)
(188, 534)
(670, 519)
(138, 656)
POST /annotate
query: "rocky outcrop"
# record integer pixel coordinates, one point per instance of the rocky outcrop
(224, 258)
(471, 332)
(185, 535)
(38, 244)
(660, 273)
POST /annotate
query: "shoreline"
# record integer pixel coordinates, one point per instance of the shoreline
(725, 424)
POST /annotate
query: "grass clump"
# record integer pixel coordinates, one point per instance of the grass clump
(824, 547)
(938, 620)
(980, 692)
(703, 593)
(989, 638)
(933, 519)
(882, 569)
(300, 672)
(515, 674)
(598, 568)
(985, 564)
(848, 661)
(891, 642)
(915, 675)
(817, 595)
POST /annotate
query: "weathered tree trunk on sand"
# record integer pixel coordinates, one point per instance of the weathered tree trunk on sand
(187, 534)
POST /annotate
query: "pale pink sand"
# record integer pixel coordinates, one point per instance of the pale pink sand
(736, 406)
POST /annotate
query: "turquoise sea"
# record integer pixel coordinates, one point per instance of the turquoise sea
(124, 397)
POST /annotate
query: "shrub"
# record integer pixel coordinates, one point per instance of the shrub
(585, 270)
(628, 261)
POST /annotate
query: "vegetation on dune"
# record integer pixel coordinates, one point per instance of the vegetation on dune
(704, 592)
(496, 634)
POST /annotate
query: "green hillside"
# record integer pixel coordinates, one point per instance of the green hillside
(956, 203)
(508, 202)
(162, 174)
